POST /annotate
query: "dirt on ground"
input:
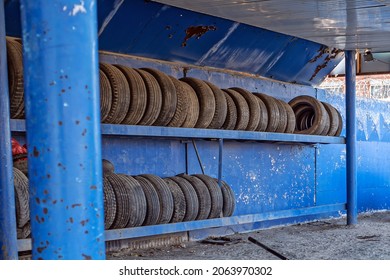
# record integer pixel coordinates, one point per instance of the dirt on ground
(322, 240)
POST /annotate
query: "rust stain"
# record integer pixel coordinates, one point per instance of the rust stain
(196, 31)
(76, 204)
(86, 257)
(35, 152)
(332, 54)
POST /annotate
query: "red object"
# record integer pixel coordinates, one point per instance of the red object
(17, 149)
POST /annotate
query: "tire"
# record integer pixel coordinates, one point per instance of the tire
(272, 109)
(137, 93)
(203, 194)
(123, 198)
(164, 195)
(120, 93)
(340, 128)
(182, 104)
(320, 115)
(263, 123)
(109, 204)
(137, 202)
(108, 166)
(152, 201)
(24, 232)
(220, 107)
(105, 96)
(291, 121)
(15, 78)
(206, 101)
(22, 165)
(242, 109)
(282, 117)
(215, 194)
(21, 198)
(191, 198)
(154, 103)
(333, 119)
(229, 201)
(231, 116)
(254, 108)
(169, 97)
(193, 107)
(179, 201)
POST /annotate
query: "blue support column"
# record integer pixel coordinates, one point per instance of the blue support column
(63, 128)
(350, 81)
(8, 245)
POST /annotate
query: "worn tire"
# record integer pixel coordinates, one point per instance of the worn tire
(109, 204)
(191, 198)
(182, 103)
(254, 108)
(123, 198)
(15, 78)
(24, 232)
(242, 109)
(154, 103)
(22, 165)
(137, 202)
(340, 128)
(215, 194)
(108, 166)
(229, 201)
(291, 121)
(193, 107)
(105, 96)
(320, 115)
(333, 119)
(21, 198)
(231, 116)
(179, 201)
(169, 97)
(137, 93)
(220, 107)
(203, 194)
(164, 195)
(206, 101)
(272, 109)
(152, 201)
(282, 117)
(120, 93)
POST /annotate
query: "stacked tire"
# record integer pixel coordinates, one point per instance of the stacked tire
(147, 199)
(315, 117)
(23, 226)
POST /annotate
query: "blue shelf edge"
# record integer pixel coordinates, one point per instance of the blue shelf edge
(117, 234)
(197, 133)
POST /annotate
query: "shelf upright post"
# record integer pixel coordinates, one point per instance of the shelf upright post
(8, 240)
(61, 77)
(350, 81)
(220, 158)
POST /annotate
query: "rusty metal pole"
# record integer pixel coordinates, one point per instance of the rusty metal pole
(63, 128)
(8, 242)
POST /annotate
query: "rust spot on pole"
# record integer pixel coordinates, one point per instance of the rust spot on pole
(196, 31)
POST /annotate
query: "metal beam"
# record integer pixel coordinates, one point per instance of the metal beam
(350, 81)
(8, 245)
(63, 128)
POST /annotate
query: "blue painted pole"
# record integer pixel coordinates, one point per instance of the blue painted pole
(8, 245)
(350, 82)
(63, 128)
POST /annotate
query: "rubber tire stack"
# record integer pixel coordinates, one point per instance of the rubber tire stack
(314, 117)
(147, 199)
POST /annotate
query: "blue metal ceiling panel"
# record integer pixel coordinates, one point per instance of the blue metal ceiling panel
(343, 24)
(158, 31)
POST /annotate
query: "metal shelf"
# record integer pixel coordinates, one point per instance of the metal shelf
(196, 133)
(125, 233)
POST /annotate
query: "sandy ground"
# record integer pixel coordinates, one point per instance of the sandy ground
(322, 240)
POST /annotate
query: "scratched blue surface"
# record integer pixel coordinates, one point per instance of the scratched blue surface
(153, 30)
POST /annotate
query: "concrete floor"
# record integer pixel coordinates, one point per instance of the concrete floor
(322, 240)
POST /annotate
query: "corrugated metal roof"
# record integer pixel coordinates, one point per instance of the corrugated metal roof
(343, 24)
(168, 33)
